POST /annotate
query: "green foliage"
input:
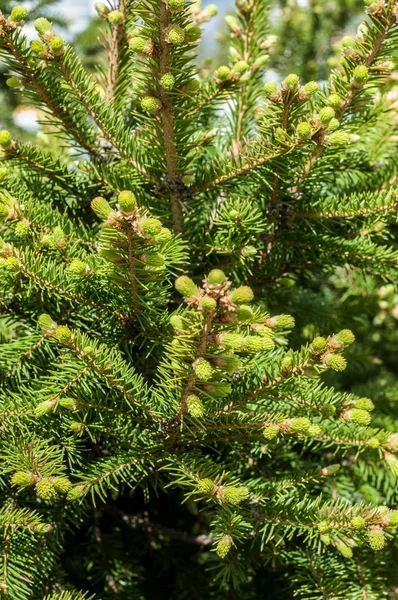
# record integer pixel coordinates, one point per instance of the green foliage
(161, 435)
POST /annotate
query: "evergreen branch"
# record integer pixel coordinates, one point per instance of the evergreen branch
(132, 269)
(114, 58)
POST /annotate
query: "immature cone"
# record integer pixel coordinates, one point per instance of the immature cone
(224, 546)
(393, 518)
(311, 88)
(240, 67)
(167, 81)
(300, 425)
(176, 322)
(185, 286)
(235, 495)
(151, 104)
(101, 208)
(256, 343)
(57, 45)
(233, 341)
(344, 550)
(18, 14)
(291, 80)
(318, 344)
(304, 129)
(358, 523)
(270, 88)
(203, 370)
(336, 362)
(77, 267)
(208, 303)
(45, 489)
(271, 432)
(43, 26)
(37, 47)
(216, 277)
(364, 404)
(141, 44)
(22, 479)
(76, 492)
(46, 322)
(242, 295)
(326, 114)
(62, 485)
(127, 201)
(360, 74)
(63, 333)
(339, 138)
(5, 139)
(205, 486)
(223, 73)
(176, 4)
(175, 35)
(285, 321)
(195, 406)
(244, 313)
(345, 336)
(22, 229)
(323, 527)
(115, 17)
(151, 226)
(356, 415)
(334, 100)
(376, 538)
(44, 408)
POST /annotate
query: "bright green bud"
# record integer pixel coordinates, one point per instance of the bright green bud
(323, 527)
(345, 336)
(216, 277)
(314, 430)
(43, 26)
(193, 33)
(232, 23)
(270, 432)
(176, 4)
(205, 487)
(154, 260)
(364, 404)
(240, 67)
(328, 410)
(57, 45)
(193, 84)
(150, 104)
(235, 495)
(68, 403)
(37, 47)
(376, 538)
(304, 129)
(326, 114)
(14, 82)
(151, 226)
(45, 489)
(339, 138)
(101, 208)
(393, 518)
(330, 470)
(176, 322)
(311, 88)
(115, 17)
(244, 313)
(224, 546)
(392, 462)
(141, 44)
(285, 321)
(22, 479)
(164, 235)
(334, 100)
(63, 333)
(360, 74)
(211, 10)
(88, 350)
(195, 406)
(336, 362)
(76, 427)
(228, 363)
(77, 267)
(208, 303)
(62, 485)
(287, 363)
(256, 343)
(300, 425)
(291, 81)
(357, 415)
(76, 492)
(270, 88)
(101, 8)
(373, 443)
(3, 173)
(334, 124)
(348, 42)
(344, 550)
(185, 286)
(44, 408)
(242, 295)
(58, 235)
(46, 322)
(22, 229)
(176, 35)
(358, 523)
(223, 73)
(325, 538)
(234, 341)
(12, 264)
(168, 81)
(203, 370)
(18, 14)
(5, 139)
(219, 389)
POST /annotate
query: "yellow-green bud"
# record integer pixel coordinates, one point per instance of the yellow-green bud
(127, 201)
(14, 82)
(242, 295)
(336, 362)
(5, 139)
(151, 104)
(339, 138)
(240, 67)
(326, 114)
(76, 427)
(244, 313)
(333, 124)
(208, 303)
(393, 518)
(224, 546)
(348, 42)
(76, 492)
(311, 88)
(345, 336)
(304, 129)
(46, 322)
(77, 267)
(176, 4)
(360, 74)
(285, 321)
(344, 550)
(22, 479)
(373, 443)
(357, 415)
(115, 17)
(211, 10)
(43, 26)
(63, 333)
(22, 229)
(45, 408)
(176, 322)
(37, 47)
(12, 264)
(3, 173)
(334, 100)
(151, 226)
(195, 406)
(376, 538)
(18, 14)
(291, 80)
(299, 425)
(101, 208)
(175, 35)
(141, 44)
(358, 523)
(203, 370)
(223, 72)
(57, 45)
(68, 403)
(205, 486)
(164, 235)
(62, 485)
(45, 489)
(271, 431)
(323, 527)
(185, 286)
(168, 81)
(314, 430)
(270, 88)
(234, 341)
(364, 404)
(235, 495)
(193, 33)
(216, 277)
(256, 343)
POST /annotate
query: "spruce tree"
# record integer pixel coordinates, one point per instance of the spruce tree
(161, 437)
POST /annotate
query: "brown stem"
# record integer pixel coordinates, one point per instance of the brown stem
(132, 270)
(169, 140)
(118, 34)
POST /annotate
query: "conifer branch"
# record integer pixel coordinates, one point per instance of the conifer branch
(133, 276)
(118, 35)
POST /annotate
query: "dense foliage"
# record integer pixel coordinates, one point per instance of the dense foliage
(163, 436)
